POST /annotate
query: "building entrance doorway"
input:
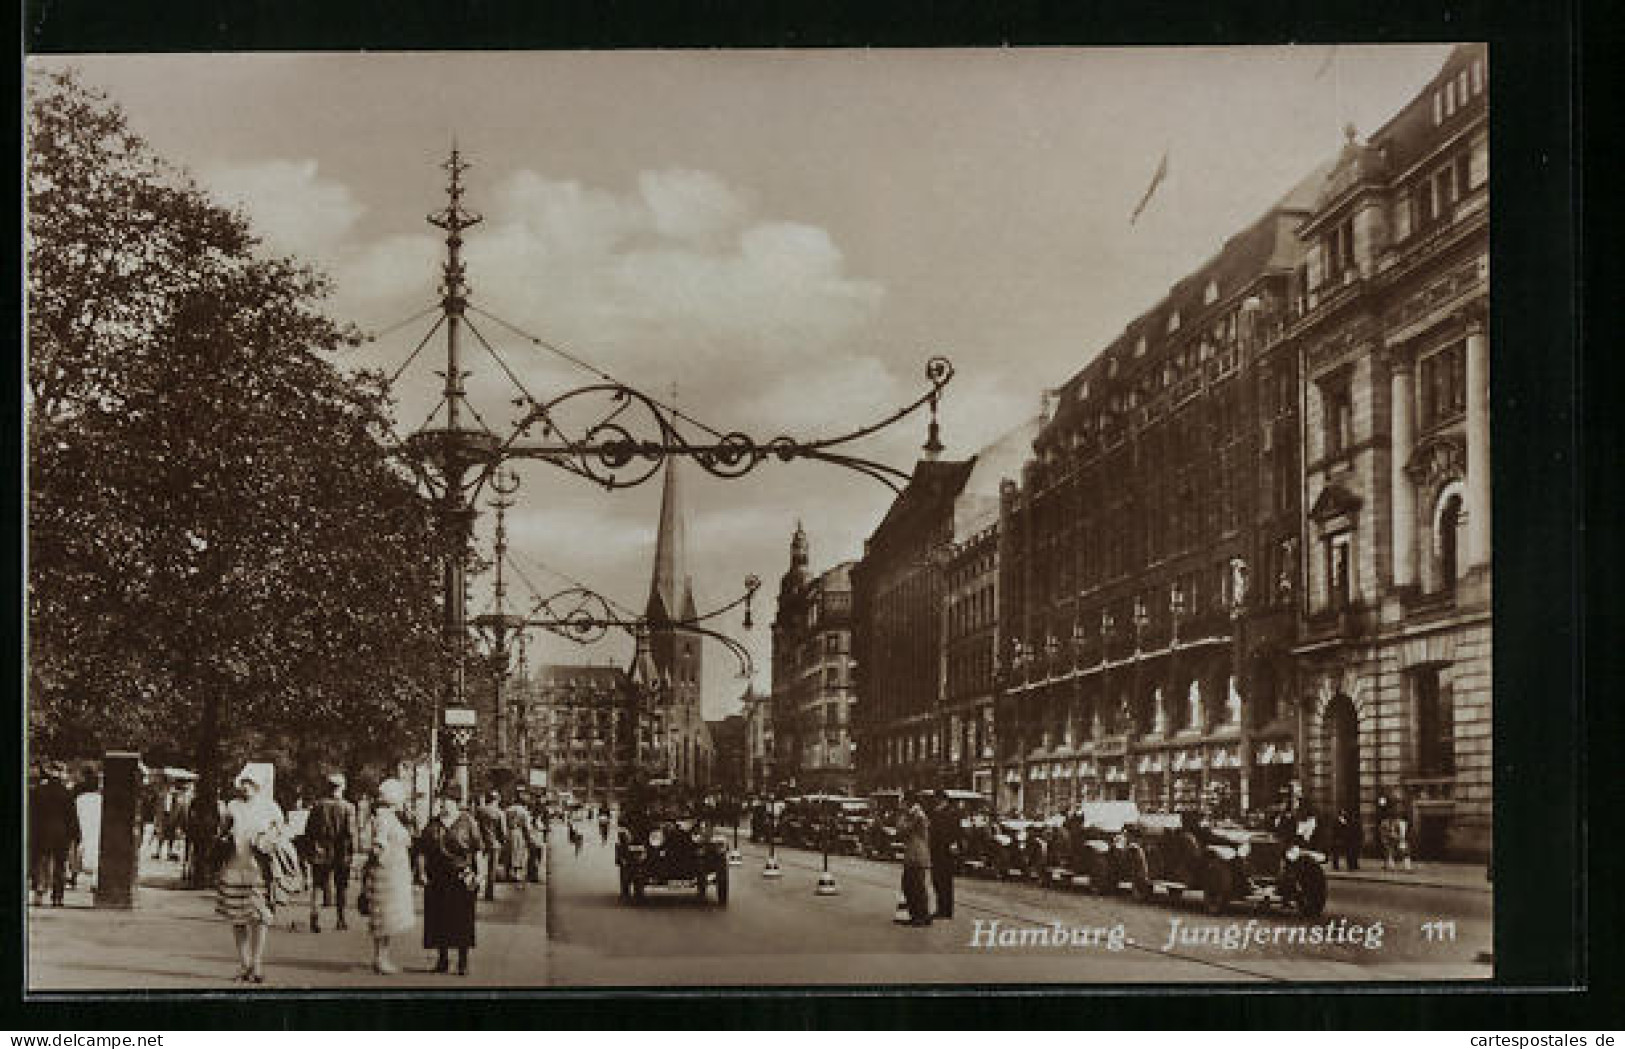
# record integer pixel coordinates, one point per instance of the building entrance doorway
(1343, 726)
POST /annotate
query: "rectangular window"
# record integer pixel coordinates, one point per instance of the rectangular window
(1443, 385)
(1338, 417)
(1450, 98)
(1339, 570)
(1435, 725)
(1461, 86)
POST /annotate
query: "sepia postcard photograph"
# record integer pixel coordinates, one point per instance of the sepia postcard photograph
(732, 518)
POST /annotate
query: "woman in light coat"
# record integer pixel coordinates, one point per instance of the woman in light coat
(247, 892)
(387, 878)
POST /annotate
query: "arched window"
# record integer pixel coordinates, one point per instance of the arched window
(1448, 517)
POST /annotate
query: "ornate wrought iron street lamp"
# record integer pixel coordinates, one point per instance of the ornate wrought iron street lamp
(621, 440)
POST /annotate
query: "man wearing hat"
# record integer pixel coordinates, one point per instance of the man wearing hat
(53, 828)
(330, 843)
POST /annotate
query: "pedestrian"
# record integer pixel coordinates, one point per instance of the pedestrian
(452, 847)
(149, 813)
(576, 838)
(945, 831)
(386, 880)
(538, 845)
(254, 825)
(1393, 834)
(517, 827)
(493, 829)
(180, 817)
(330, 840)
(915, 829)
(202, 833)
(53, 828)
(163, 800)
(603, 826)
(88, 805)
(1349, 839)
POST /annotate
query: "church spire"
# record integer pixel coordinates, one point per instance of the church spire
(671, 586)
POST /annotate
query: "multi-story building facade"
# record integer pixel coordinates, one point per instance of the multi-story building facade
(898, 589)
(970, 616)
(760, 777)
(1148, 554)
(728, 759)
(812, 675)
(1390, 328)
(588, 728)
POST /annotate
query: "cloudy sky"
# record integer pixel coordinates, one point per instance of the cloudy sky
(786, 236)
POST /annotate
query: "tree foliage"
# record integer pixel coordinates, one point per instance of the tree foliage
(221, 553)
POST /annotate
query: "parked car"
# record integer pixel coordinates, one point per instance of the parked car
(844, 822)
(1098, 844)
(881, 840)
(1018, 849)
(1225, 864)
(664, 842)
(975, 818)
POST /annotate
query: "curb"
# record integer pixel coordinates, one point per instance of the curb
(1420, 883)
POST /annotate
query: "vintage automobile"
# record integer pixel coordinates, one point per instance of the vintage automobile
(1225, 863)
(1096, 844)
(663, 841)
(1018, 849)
(975, 819)
(881, 840)
(844, 824)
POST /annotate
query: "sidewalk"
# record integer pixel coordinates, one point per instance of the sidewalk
(1433, 875)
(172, 940)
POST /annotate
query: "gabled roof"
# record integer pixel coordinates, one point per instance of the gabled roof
(932, 488)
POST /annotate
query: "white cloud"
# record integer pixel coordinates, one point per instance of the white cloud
(291, 205)
(691, 206)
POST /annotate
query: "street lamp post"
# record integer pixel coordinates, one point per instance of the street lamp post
(454, 460)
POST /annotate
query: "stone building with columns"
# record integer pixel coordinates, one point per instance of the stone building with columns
(1389, 328)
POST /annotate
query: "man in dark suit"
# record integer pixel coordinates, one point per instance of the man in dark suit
(53, 829)
(945, 831)
(329, 846)
(493, 824)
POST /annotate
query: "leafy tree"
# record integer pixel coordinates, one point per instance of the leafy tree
(222, 556)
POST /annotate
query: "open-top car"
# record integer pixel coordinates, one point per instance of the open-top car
(1225, 863)
(667, 841)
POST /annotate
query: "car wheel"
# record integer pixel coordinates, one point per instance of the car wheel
(638, 885)
(1311, 898)
(626, 883)
(1218, 890)
(1142, 879)
(722, 886)
(1103, 878)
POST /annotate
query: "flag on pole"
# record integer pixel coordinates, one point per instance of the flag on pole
(1156, 180)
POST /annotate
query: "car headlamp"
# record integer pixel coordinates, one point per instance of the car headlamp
(657, 838)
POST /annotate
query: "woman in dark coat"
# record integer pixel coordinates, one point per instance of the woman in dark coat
(451, 846)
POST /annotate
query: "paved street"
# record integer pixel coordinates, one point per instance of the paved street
(576, 932)
(779, 932)
(173, 941)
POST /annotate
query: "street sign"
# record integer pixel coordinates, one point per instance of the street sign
(538, 778)
(460, 717)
